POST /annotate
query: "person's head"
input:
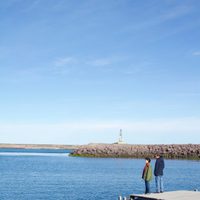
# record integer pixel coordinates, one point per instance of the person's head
(158, 154)
(148, 160)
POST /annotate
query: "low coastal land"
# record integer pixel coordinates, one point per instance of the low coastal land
(38, 146)
(171, 151)
(174, 151)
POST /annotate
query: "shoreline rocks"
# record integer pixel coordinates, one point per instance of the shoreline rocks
(170, 151)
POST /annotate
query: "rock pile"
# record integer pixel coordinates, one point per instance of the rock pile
(178, 151)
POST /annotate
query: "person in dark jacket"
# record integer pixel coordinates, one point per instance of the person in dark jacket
(147, 175)
(158, 173)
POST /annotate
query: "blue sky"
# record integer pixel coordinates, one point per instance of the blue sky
(75, 72)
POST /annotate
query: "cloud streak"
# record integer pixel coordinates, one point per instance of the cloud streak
(172, 13)
(177, 12)
(100, 62)
(60, 62)
(196, 53)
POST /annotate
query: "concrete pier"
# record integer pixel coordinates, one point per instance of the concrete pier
(174, 195)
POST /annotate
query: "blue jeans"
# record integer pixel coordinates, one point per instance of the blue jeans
(147, 187)
(159, 184)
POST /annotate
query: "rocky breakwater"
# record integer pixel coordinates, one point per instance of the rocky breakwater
(174, 151)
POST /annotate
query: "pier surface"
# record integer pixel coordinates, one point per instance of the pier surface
(174, 195)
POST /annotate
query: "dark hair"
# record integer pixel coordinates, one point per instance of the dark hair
(148, 159)
(159, 154)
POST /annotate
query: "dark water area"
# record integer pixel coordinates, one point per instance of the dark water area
(52, 174)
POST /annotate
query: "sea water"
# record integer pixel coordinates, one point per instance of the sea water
(53, 174)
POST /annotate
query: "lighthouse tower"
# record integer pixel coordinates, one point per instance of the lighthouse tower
(120, 141)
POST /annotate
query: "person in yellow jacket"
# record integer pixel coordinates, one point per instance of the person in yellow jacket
(147, 175)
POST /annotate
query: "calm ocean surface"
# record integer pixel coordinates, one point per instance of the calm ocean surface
(51, 174)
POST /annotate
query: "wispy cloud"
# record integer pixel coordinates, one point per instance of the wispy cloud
(100, 62)
(64, 61)
(64, 65)
(142, 67)
(107, 61)
(172, 13)
(176, 12)
(60, 62)
(96, 62)
(196, 53)
(115, 63)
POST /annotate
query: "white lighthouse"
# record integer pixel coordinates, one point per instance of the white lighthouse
(120, 141)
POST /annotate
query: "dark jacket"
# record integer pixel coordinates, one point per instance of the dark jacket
(159, 166)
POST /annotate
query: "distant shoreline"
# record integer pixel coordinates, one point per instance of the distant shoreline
(170, 151)
(38, 146)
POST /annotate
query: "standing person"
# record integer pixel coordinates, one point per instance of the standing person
(147, 175)
(158, 172)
